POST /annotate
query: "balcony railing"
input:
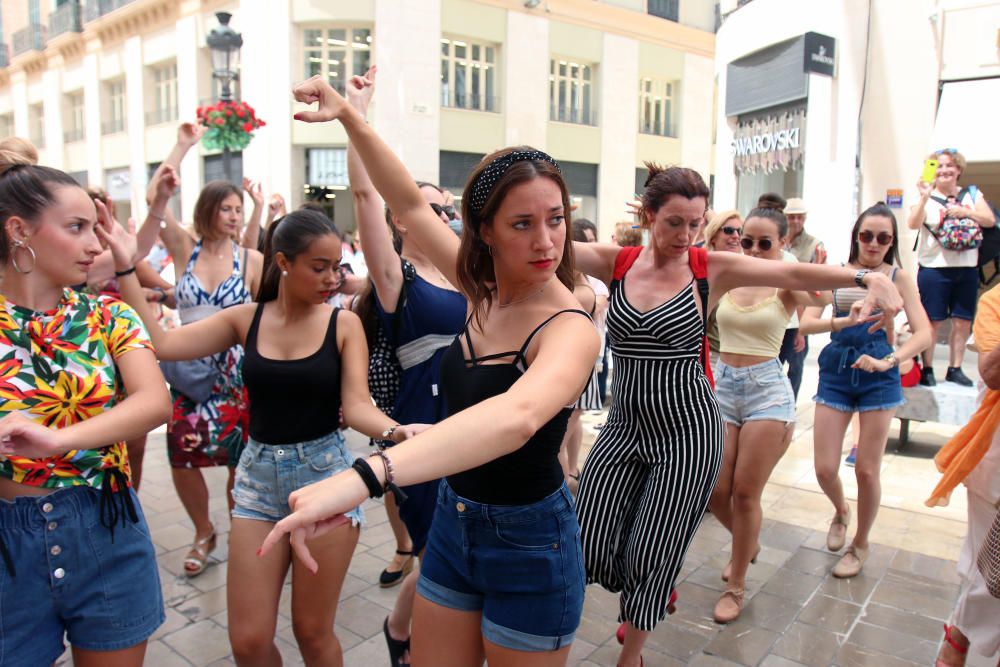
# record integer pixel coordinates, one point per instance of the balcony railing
(4, 55)
(65, 19)
(159, 116)
(27, 39)
(113, 126)
(76, 134)
(571, 115)
(98, 8)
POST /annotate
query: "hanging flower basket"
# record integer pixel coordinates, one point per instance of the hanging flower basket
(230, 125)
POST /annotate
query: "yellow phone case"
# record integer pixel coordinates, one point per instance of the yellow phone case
(930, 170)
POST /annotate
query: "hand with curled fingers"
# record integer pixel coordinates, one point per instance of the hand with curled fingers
(189, 134)
(360, 90)
(882, 296)
(407, 431)
(120, 240)
(21, 436)
(870, 364)
(255, 190)
(316, 510)
(330, 104)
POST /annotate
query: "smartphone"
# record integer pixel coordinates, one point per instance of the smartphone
(930, 170)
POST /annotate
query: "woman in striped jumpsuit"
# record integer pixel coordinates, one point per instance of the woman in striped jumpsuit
(648, 479)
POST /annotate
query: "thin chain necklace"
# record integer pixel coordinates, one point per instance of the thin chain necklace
(523, 298)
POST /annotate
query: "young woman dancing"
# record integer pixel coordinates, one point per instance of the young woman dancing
(858, 372)
(756, 399)
(648, 479)
(514, 592)
(77, 378)
(296, 386)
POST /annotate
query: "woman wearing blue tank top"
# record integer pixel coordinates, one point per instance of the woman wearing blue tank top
(296, 385)
(859, 372)
(502, 578)
(420, 315)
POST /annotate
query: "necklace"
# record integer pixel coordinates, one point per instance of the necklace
(523, 298)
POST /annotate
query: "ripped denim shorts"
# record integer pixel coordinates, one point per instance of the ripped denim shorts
(267, 475)
(754, 393)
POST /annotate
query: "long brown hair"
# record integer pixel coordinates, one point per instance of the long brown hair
(476, 273)
(209, 202)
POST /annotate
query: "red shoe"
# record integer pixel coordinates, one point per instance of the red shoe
(671, 608)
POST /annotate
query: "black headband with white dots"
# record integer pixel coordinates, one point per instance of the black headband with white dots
(488, 177)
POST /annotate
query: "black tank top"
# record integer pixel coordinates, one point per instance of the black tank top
(527, 474)
(293, 400)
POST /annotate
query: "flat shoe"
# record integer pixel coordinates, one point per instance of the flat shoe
(729, 606)
(728, 570)
(836, 537)
(850, 563)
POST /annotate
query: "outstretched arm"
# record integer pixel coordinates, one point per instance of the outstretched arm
(390, 176)
(383, 262)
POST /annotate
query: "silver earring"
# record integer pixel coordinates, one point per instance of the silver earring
(13, 256)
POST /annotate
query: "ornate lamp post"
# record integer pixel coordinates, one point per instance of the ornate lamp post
(225, 44)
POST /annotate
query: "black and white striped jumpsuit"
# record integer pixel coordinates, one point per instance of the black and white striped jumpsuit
(647, 481)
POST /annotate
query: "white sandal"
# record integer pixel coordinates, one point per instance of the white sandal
(195, 565)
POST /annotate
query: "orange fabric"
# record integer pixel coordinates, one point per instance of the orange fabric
(964, 451)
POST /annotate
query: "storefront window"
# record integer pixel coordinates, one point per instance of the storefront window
(768, 155)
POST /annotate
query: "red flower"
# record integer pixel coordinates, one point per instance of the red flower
(240, 113)
(220, 121)
(200, 111)
(261, 123)
(229, 112)
(248, 127)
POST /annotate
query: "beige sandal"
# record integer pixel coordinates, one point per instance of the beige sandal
(836, 537)
(197, 559)
(729, 606)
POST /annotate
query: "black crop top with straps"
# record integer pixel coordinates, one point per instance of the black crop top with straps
(293, 400)
(527, 474)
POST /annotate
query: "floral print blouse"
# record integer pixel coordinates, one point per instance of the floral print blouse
(58, 368)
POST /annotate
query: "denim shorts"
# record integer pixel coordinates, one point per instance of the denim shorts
(520, 565)
(267, 475)
(74, 576)
(754, 393)
(948, 292)
(850, 389)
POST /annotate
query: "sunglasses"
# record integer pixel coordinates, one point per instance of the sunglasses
(883, 238)
(449, 211)
(763, 244)
(731, 230)
(949, 151)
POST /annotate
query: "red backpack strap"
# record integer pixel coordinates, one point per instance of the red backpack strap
(624, 260)
(698, 262)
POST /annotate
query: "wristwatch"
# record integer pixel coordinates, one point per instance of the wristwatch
(891, 358)
(859, 278)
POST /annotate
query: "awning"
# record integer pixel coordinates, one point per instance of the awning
(967, 117)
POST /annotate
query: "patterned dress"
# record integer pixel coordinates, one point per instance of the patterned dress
(58, 368)
(214, 432)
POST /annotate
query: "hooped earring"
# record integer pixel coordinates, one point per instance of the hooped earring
(17, 244)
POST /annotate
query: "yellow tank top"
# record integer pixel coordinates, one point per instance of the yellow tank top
(756, 330)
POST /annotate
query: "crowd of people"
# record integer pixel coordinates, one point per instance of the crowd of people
(467, 359)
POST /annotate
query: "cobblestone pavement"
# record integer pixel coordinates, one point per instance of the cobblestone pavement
(797, 614)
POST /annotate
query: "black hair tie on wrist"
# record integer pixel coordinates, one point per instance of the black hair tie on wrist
(375, 489)
(122, 274)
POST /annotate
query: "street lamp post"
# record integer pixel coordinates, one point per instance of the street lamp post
(225, 44)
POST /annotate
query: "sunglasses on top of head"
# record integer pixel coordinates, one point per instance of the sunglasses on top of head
(883, 238)
(763, 244)
(949, 151)
(449, 211)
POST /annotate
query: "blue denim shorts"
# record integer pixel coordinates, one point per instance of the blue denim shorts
(948, 292)
(754, 393)
(267, 474)
(520, 565)
(850, 389)
(73, 576)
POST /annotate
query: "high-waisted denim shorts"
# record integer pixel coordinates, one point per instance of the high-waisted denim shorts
(267, 475)
(74, 577)
(850, 389)
(754, 393)
(520, 565)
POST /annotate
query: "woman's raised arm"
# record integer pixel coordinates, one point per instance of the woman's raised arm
(390, 176)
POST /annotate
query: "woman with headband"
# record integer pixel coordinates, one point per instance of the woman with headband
(502, 579)
(650, 474)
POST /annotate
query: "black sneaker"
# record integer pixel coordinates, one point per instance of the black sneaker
(927, 376)
(956, 375)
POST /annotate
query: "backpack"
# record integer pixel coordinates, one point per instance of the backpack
(989, 251)
(698, 263)
(957, 233)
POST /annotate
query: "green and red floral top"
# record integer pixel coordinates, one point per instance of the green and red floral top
(58, 368)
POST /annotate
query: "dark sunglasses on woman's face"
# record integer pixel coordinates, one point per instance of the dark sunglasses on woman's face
(883, 238)
(732, 230)
(449, 211)
(763, 244)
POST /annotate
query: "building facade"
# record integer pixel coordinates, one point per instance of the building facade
(603, 86)
(840, 102)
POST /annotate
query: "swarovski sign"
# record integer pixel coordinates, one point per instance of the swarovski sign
(769, 142)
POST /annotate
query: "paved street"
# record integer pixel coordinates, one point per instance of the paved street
(889, 616)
